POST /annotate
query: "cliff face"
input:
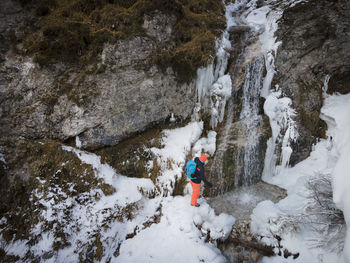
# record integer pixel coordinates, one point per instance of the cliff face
(102, 88)
(101, 108)
(91, 73)
(94, 73)
(315, 37)
(99, 78)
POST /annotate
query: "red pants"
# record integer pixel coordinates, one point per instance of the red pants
(196, 189)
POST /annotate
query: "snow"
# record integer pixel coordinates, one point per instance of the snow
(337, 108)
(127, 189)
(221, 91)
(204, 81)
(182, 227)
(262, 220)
(207, 145)
(178, 238)
(294, 2)
(171, 157)
(2, 156)
(27, 67)
(264, 20)
(224, 43)
(183, 231)
(77, 142)
(276, 107)
(79, 218)
(329, 156)
(172, 118)
(18, 248)
(177, 142)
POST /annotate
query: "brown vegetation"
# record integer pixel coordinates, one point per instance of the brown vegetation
(74, 31)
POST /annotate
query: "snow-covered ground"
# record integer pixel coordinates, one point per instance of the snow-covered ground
(140, 221)
(330, 156)
(180, 236)
(181, 227)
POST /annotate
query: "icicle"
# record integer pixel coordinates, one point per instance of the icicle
(172, 118)
(212, 85)
(325, 85)
(205, 79)
(77, 142)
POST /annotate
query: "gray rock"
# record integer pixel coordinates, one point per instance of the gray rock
(9, 7)
(61, 102)
(315, 37)
(159, 26)
(239, 29)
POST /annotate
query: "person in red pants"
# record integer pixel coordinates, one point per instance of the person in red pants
(198, 177)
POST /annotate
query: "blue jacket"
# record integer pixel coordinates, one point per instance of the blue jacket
(199, 173)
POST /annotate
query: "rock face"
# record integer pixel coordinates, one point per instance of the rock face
(315, 43)
(104, 104)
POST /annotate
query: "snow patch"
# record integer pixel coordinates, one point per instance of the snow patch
(77, 142)
(337, 108)
(171, 157)
(207, 145)
(2, 156)
(178, 237)
(127, 189)
(329, 156)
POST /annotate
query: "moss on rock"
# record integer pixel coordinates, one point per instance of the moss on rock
(4, 258)
(49, 166)
(74, 31)
(130, 156)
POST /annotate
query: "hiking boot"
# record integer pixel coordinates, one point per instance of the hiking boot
(197, 205)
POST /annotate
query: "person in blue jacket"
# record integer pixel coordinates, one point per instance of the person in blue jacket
(198, 177)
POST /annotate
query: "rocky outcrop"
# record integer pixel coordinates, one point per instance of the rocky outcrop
(11, 14)
(102, 104)
(315, 43)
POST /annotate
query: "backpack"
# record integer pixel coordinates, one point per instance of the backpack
(190, 169)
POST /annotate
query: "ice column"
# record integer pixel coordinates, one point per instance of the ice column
(212, 85)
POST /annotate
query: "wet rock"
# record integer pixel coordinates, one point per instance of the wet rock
(242, 200)
(48, 255)
(339, 83)
(238, 29)
(10, 7)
